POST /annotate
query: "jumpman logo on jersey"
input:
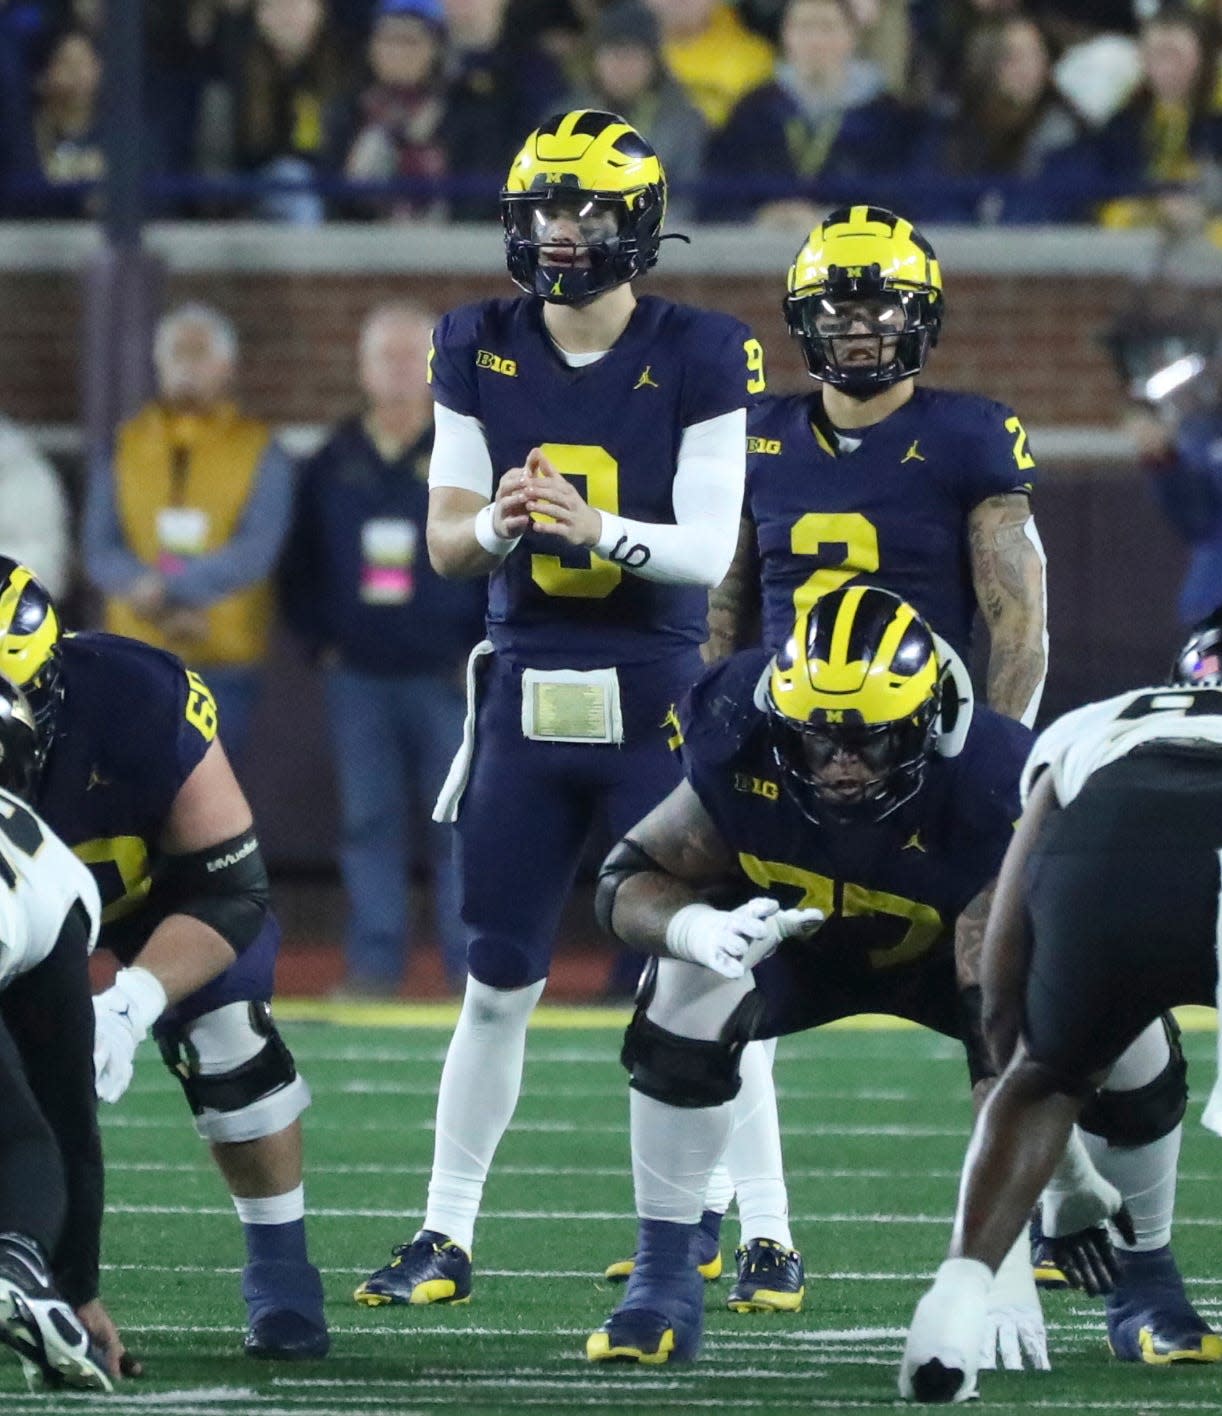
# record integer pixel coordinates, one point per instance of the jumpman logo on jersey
(646, 380)
(96, 780)
(913, 843)
(912, 455)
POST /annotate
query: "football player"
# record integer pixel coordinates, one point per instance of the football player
(589, 458)
(846, 809)
(1123, 812)
(50, 1151)
(870, 479)
(134, 778)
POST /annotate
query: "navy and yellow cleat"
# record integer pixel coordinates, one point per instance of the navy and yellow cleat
(431, 1269)
(661, 1318)
(1044, 1267)
(707, 1251)
(771, 1279)
(1149, 1317)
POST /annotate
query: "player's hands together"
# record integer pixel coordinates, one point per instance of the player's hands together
(509, 515)
(732, 942)
(555, 505)
(122, 1016)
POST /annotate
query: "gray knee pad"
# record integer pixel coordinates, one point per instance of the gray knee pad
(1145, 1114)
(237, 1073)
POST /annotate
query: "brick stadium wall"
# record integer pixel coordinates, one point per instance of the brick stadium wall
(1029, 341)
(1113, 563)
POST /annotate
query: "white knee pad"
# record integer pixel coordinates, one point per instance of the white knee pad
(238, 1075)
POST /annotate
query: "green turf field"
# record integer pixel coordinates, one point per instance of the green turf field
(874, 1122)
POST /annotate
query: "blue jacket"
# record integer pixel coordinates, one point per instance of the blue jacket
(1189, 490)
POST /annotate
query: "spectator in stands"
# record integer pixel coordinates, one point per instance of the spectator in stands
(712, 53)
(1098, 65)
(502, 84)
(184, 522)
(628, 76)
(60, 146)
(391, 636)
(1009, 123)
(1168, 132)
(33, 510)
(1181, 449)
(393, 129)
(286, 69)
(825, 118)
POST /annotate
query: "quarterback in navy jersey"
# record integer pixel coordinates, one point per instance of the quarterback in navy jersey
(589, 458)
(923, 491)
(134, 779)
(848, 812)
(1122, 814)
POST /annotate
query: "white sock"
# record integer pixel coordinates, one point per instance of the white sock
(753, 1153)
(479, 1090)
(721, 1189)
(1144, 1175)
(271, 1209)
(674, 1149)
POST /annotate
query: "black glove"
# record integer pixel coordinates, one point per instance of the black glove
(1086, 1257)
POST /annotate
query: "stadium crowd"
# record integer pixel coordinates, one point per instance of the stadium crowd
(768, 110)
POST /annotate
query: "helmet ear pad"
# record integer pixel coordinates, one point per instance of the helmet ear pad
(956, 701)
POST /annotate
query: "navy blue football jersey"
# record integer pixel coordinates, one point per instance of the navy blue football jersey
(613, 428)
(891, 890)
(892, 512)
(132, 727)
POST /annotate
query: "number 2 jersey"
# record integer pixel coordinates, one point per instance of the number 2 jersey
(891, 890)
(613, 428)
(41, 882)
(892, 511)
(132, 727)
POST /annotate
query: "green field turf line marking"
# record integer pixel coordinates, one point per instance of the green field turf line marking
(524, 1127)
(557, 1016)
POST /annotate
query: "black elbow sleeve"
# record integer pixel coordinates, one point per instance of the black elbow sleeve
(223, 886)
(626, 859)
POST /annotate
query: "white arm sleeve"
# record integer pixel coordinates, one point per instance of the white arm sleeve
(460, 453)
(707, 499)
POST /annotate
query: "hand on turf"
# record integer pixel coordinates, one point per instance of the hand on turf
(1015, 1338)
(101, 1328)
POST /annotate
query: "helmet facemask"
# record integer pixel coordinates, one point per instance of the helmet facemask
(1199, 663)
(862, 334)
(852, 773)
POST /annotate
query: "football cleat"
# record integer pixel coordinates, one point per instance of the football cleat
(431, 1269)
(284, 1311)
(661, 1318)
(1149, 1317)
(1044, 1267)
(53, 1345)
(708, 1253)
(771, 1279)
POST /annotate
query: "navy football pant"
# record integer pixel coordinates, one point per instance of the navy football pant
(529, 807)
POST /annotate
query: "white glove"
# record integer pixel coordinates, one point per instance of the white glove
(732, 942)
(1015, 1333)
(947, 1330)
(122, 1016)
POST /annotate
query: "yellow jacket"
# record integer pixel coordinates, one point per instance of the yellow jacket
(181, 485)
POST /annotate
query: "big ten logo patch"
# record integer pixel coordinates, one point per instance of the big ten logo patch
(771, 446)
(756, 786)
(486, 359)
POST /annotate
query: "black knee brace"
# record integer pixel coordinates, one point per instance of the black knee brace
(1135, 1118)
(266, 1072)
(680, 1071)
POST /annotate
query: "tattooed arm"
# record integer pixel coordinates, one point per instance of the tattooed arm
(734, 605)
(685, 856)
(1008, 576)
(969, 945)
